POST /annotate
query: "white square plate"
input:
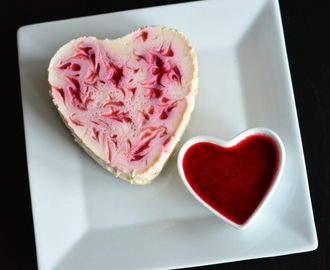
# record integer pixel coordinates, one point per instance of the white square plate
(85, 218)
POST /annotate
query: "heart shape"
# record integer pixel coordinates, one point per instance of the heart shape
(129, 100)
(233, 179)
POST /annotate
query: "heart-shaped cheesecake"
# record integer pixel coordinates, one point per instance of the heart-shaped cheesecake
(233, 179)
(127, 101)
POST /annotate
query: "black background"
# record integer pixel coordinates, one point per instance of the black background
(307, 33)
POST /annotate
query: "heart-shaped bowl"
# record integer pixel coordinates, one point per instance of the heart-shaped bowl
(258, 132)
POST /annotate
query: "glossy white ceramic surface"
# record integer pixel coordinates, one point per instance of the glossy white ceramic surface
(85, 218)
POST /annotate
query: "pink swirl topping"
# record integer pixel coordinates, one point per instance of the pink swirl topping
(126, 105)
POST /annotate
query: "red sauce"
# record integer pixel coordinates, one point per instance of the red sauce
(234, 180)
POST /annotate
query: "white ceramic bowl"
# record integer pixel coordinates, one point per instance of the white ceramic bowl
(226, 144)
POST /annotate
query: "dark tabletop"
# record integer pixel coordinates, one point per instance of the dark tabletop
(306, 26)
